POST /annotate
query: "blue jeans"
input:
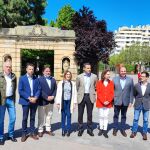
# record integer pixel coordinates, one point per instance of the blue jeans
(136, 119)
(9, 104)
(65, 113)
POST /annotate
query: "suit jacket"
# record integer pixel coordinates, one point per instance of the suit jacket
(142, 99)
(104, 93)
(81, 87)
(46, 91)
(25, 90)
(3, 87)
(123, 96)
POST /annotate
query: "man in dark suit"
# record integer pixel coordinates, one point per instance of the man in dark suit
(29, 91)
(46, 101)
(86, 84)
(142, 103)
(123, 99)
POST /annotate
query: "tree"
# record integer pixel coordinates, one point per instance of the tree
(64, 19)
(21, 12)
(93, 42)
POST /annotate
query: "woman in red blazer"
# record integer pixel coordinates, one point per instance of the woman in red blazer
(105, 95)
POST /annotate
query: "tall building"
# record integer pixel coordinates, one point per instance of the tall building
(126, 36)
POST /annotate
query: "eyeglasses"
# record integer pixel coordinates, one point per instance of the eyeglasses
(143, 76)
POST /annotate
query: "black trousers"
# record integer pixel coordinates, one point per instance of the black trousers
(26, 109)
(89, 106)
(117, 110)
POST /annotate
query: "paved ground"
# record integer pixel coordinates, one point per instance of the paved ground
(74, 142)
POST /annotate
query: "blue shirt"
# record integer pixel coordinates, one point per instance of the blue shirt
(67, 90)
(87, 80)
(122, 82)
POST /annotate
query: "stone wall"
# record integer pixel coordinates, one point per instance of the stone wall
(13, 40)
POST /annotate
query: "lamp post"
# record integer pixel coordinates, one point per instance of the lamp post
(37, 66)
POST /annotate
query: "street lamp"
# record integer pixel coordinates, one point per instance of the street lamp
(37, 65)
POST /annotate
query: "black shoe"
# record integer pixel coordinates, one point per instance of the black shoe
(115, 132)
(123, 133)
(80, 132)
(68, 133)
(2, 142)
(63, 133)
(105, 134)
(100, 132)
(90, 132)
(12, 139)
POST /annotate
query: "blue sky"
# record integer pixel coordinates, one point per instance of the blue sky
(115, 12)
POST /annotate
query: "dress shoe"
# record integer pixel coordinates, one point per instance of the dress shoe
(2, 142)
(105, 134)
(12, 139)
(24, 138)
(80, 132)
(123, 133)
(63, 133)
(133, 134)
(34, 136)
(144, 136)
(90, 132)
(40, 134)
(100, 132)
(50, 133)
(68, 133)
(115, 132)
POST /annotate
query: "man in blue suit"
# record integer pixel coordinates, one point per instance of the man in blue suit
(46, 102)
(29, 91)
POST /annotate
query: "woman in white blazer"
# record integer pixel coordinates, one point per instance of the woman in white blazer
(66, 100)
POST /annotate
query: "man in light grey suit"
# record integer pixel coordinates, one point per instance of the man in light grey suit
(123, 99)
(142, 103)
(86, 83)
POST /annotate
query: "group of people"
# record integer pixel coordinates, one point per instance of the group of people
(41, 93)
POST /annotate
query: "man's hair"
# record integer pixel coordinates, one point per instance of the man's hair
(30, 64)
(45, 67)
(7, 57)
(86, 64)
(146, 73)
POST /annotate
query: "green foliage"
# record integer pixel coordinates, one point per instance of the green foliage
(21, 12)
(130, 67)
(64, 19)
(134, 54)
(45, 57)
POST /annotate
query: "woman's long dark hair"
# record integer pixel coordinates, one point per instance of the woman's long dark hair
(104, 73)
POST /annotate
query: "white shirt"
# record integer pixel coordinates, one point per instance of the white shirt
(143, 88)
(123, 82)
(87, 81)
(30, 83)
(48, 82)
(9, 90)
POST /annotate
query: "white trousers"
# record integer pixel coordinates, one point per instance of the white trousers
(45, 117)
(103, 117)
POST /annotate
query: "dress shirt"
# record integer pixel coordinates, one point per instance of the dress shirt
(48, 80)
(143, 88)
(122, 82)
(9, 90)
(30, 79)
(87, 80)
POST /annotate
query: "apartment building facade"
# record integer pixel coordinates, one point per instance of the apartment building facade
(126, 36)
